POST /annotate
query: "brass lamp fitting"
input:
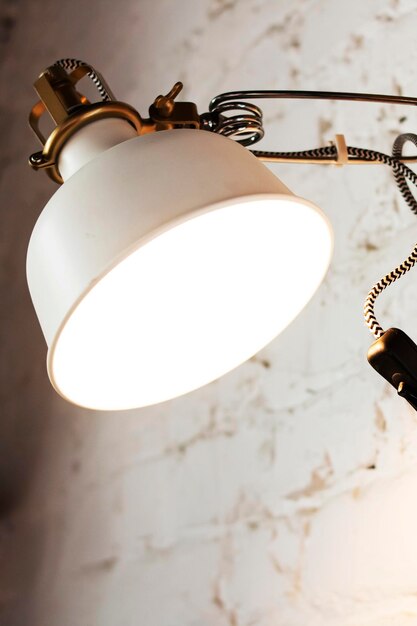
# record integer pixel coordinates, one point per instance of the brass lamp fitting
(70, 110)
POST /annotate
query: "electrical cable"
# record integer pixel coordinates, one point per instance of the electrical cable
(97, 79)
(400, 176)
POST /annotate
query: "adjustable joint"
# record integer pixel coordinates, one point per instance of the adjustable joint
(167, 114)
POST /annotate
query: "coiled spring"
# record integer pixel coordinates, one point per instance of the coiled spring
(246, 123)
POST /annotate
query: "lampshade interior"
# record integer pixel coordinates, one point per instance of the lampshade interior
(191, 303)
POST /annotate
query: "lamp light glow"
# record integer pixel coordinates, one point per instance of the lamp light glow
(191, 304)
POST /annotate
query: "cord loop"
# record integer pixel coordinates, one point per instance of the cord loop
(97, 79)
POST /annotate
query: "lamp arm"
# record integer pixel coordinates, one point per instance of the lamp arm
(279, 94)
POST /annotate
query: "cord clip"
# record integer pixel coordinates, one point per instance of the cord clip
(342, 153)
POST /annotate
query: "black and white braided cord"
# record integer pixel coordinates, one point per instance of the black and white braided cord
(72, 64)
(397, 149)
(402, 174)
(401, 171)
(368, 310)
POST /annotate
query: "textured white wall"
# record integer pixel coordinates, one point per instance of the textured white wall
(284, 494)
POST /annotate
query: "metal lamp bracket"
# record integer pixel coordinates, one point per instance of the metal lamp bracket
(71, 110)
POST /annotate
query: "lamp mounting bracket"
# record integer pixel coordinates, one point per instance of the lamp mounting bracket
(70, 110)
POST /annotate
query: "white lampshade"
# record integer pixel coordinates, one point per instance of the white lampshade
(165, 262)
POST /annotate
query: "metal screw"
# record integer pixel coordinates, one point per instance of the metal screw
(165, 104)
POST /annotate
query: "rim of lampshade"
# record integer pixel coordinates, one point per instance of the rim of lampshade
(156, 233)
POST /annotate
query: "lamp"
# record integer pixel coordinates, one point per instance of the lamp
(166, 259)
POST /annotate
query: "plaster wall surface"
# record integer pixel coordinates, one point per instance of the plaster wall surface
(285, 493)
